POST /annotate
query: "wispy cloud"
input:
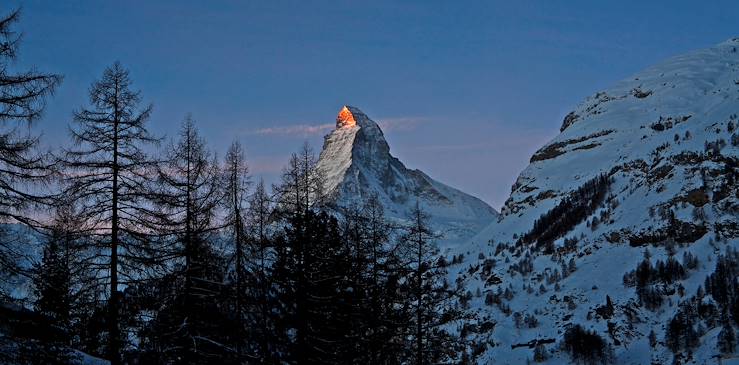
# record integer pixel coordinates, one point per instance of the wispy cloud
(400, 124)
(302, 130)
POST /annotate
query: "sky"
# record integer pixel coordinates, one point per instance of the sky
(465, 90)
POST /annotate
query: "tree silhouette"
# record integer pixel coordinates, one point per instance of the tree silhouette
(22, 168)
(106, 170)
(184, 204)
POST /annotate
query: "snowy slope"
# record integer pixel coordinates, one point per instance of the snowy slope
(664, 136)
(356, 163)
(26, 246)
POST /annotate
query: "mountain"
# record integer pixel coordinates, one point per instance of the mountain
(651, 164)
(356, 164)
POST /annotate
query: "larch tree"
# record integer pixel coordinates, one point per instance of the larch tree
(358, 258)
(297, 195)
(259, 217)
(383, 269)
(301, 183)
(236, 184)
(431, 297)
(190, 326)
(105, 172)
(310, 272)
(23, 95)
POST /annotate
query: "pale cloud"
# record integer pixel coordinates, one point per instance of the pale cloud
(400, 124)
(301, 130)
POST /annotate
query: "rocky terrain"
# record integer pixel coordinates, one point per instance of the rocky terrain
(356, 164)
(618, 224)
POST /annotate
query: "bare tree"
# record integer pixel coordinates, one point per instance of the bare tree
(301, 185)
(432, 297)
(22, 95)
(236, 176)
(22, 168)
(258, 220)
(106, 170)
(375, 272)
(184, 205)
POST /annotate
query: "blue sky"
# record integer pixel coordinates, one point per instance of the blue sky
(468, 90)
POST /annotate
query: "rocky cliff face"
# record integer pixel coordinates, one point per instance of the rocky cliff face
(652, 163)
(356, 164)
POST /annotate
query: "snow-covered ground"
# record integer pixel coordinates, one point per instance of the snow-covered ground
(650, 133)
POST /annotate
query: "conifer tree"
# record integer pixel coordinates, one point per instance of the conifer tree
(64, 285)
(376, 270)
(23, 169)
(260, 261)
(310, 273)
(106, 173)
(236, 183)
(65, 279)
(191, 327)
(431, 297)
(301, 184)
(727, 338)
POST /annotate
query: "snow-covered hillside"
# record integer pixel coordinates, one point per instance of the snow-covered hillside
(356, 163)
(660, 150)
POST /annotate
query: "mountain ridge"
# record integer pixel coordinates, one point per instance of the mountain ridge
(356, 163)
(666, 140)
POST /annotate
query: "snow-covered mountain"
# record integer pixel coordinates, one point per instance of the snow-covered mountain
(651, 163)
(356, 163)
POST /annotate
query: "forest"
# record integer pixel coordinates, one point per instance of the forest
(154, 250)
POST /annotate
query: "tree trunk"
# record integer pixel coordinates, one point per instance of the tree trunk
(239, 266)
(115, 346)
(188, 239)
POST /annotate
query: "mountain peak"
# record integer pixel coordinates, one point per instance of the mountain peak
(345, 118)
(350, 116)
(356, 164)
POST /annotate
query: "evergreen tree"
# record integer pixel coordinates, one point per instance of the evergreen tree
(236, 183)
(360, 309)
(105, 172)
(383, 273)
(681, 334)
(568, 213)
(192, 326)
(379, 308)
(301, 185)
(260, 260)
(431, 297)
(586, 347)
(53, 281)
(310, 274)
(64, 285)
(727, 338)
